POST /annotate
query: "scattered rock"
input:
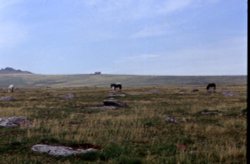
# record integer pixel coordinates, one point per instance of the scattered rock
(60, 150)
(114, 102)
(228, 94)
(68, 96)
(171, 119)
(209, 112)
(182, 90)
(14, 121)
(7, 98)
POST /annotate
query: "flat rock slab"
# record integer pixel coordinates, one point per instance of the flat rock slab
(228, 94)
(60, 150)
(68, 96)
(116, 95)
(13, 121)
(7, 98)
(113, 102)
(153, 91)
(176, 120)
(102, 107)
(209, 112)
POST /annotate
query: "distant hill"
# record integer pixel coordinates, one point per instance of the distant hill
(9, 70)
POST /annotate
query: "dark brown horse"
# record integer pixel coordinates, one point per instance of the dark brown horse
(116, 85)
(211, 86)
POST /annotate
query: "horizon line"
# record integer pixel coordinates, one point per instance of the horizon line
(118, 74)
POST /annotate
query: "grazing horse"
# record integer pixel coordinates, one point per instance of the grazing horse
(116, 85)
(211, 85)
(11, 88)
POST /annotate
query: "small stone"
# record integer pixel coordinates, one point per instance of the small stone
(228, 94)
(171, 119)
(209, 112)
(14, 121)
(68, 96)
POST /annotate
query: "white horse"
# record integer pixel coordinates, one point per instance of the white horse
(11, 88)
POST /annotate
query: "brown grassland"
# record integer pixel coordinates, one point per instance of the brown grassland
(136, 134)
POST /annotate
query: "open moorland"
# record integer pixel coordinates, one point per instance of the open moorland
(159, 124)
(104, 80)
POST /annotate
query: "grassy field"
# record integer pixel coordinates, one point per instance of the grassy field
(34, 80)
(136, 134)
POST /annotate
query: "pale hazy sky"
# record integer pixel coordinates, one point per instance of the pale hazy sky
(163, 37)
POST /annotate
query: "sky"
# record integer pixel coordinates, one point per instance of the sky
(141, 37)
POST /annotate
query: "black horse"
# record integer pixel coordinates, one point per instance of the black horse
(211, 85)
(116, 85)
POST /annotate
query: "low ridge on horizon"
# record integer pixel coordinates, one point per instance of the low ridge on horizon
(10, 70)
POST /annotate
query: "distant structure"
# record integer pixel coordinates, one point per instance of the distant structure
(97, 73)
(114, 86)
(211, 87)
(11, 88)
